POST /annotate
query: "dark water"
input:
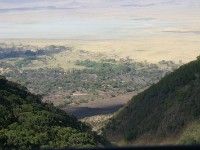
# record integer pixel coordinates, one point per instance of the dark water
(82, 112)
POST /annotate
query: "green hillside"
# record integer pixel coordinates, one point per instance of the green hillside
(168, 112)
(26, 122)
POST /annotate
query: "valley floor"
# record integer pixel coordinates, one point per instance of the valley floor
(100, 106)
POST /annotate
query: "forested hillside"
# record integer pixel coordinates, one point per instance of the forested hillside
(26, 122)
(167, 112)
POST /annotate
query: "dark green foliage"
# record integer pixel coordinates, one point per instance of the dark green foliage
(26, 122)
(162, 110)
(190, 141)
(130, 135)
(110, 76)
(23, 62)
(87, 63)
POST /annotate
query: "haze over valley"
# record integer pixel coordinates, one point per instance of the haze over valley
(144, 30)
(99, 61)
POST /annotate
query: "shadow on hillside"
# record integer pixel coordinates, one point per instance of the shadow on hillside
(82, 112)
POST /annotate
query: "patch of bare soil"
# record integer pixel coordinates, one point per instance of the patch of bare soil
(97, 122)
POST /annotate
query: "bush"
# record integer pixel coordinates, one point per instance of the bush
(130, 135)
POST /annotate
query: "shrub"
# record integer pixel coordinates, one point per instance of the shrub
(130, 135)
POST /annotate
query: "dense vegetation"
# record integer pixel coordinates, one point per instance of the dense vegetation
(26, 122)
(104, 77)
(162, 111)
(94, 78)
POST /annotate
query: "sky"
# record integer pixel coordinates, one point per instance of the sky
(98, 19)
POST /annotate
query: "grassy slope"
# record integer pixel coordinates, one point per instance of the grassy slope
(161, 112)
(26, 122)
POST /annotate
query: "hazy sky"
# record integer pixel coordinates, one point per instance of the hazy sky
(98, 19)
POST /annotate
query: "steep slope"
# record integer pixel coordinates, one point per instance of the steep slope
(26, 122)
(161, 113)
